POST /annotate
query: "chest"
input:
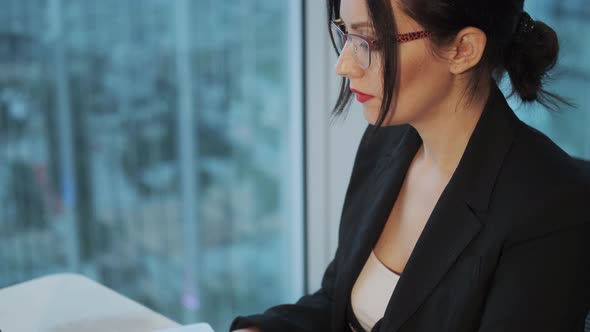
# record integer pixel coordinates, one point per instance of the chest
(415, 202)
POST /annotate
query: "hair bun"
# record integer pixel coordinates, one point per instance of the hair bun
(532, 54)
(525, 25)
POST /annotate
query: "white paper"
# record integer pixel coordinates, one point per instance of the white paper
(201, 327)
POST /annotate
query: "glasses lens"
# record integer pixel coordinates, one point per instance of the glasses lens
(359, 46)
(361, 51)
(338, 36)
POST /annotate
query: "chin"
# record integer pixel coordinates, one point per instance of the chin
(372, 115)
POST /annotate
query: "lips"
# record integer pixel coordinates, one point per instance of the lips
(362, 97)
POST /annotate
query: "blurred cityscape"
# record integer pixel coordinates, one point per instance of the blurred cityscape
(142, 144)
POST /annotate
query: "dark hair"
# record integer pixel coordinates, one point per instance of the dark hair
(527, 52)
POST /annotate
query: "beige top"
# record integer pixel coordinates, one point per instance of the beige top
(371, 292)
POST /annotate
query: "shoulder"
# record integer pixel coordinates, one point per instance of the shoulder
(541, 189)
(536, 159)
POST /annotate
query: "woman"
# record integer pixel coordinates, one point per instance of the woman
(458, 216)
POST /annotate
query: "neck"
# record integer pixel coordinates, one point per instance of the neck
(446, 131)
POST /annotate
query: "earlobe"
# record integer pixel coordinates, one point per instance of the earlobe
(468, 49)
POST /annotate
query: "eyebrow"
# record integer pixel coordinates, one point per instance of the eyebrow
(356, 25)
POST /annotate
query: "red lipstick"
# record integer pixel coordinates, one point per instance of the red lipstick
(362, 97)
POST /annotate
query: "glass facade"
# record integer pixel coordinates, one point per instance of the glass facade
(151, 146)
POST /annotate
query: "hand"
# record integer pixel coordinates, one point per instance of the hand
(250, 329)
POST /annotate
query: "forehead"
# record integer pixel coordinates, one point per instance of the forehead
(354, 11)
(357, 11)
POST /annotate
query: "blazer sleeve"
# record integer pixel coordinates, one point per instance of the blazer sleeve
(541, 284)
(311, 313)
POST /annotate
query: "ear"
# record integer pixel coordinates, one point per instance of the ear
(467, 50)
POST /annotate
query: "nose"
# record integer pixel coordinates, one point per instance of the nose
(346, 65)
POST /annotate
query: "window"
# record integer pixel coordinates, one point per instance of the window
(156, 147)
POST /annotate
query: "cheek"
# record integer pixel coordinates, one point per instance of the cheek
(413, 74)
(375, 75)
(421, 80)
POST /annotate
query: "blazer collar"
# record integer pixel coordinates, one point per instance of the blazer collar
(486, 150)
(454, 222)
(483, 155)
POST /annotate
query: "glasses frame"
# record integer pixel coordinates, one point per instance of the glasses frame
(373, 43)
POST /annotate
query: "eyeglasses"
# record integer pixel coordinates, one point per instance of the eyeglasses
(362, 45)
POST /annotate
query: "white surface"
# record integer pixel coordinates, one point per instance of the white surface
(71, 302)
(201, 327)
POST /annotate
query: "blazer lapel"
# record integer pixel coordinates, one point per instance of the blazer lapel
(455, 220)
(449, 229)
(365, 218)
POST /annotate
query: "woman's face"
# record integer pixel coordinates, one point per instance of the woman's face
(424, 78)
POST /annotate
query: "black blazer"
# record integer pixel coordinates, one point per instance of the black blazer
(507, 247)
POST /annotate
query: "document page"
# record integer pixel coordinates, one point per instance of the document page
(201, 327)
